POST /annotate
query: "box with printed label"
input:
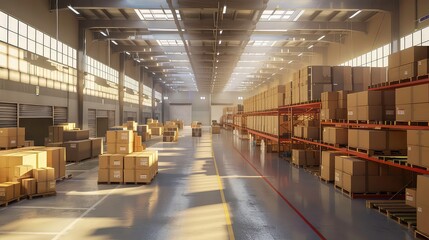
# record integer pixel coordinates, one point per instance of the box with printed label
(411, 197)
(103, 175)
(130, 162)
(124, 148)
(143, 176)
(6, 192)
(116, 161)
(124, 136)
(116, 175)
(129, 175)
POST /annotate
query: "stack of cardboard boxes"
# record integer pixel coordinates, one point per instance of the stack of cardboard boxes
(12, 137)
(215, 129)
(155, 127)
(334, 105)
(144, 131)
(371, 106)
(350, 174)
(412, 103)
(327, 167)
(171, 132)
(422, 204)
(335, 136)
(379, 140)
(196, 128)
(124, 153)
(310, 129)
(418, 147)
(9, 191)
(302, 157)
(404, 64)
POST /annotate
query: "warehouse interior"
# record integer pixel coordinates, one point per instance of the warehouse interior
(214, 119)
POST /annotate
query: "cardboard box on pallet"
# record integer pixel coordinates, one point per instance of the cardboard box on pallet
(8, 137)
(75, 135)
(342, 78)
(413, 54)
(372, 139)
(41, 158)
(396, 140)
(23, 171)
(411, 197)
(299, 157)
(311, 133)
(422, 203)
(116, 161)
(361, 75)
(78, 150)
(28, 186)
(96, 146)
(327, 169)
(103, 175)
(143, 176)
(394, 74)
(338, 135)
(422, 67)
(116, 175)
(378, 75)
(354, 184)
(354, 167)
(6, 192)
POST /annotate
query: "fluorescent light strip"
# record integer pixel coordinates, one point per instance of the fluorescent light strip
(114, 42)
(224, 9)
(299, 55)
(298, 16)
(103, 33)
(322, 37)
(290, 62)
(128, 53)
(355, 14)
(310, 47)
(73, 10)
(220, 41)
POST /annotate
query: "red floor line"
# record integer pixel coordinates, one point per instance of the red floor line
(284, 198)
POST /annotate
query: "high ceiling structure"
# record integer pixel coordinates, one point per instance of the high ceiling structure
(228, 45)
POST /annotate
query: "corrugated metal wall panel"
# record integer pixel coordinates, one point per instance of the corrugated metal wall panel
(102, 113)
(92, 123)
(111, 117)
(8, 115)
(60, 115)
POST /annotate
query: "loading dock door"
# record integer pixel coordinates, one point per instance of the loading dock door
(182, 112)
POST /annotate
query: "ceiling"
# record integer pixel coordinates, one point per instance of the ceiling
(228, 45)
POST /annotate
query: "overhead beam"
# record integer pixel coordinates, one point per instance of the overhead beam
(319, 26)
(209, 50)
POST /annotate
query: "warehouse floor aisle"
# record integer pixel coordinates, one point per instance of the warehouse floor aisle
(199, 195)
(289, 203)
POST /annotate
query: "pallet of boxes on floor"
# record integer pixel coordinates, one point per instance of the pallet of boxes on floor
(155, 127)
(30, 172)
(126, 160)
(196, 129)
(79, 146)
(171, 132)
(12, 138)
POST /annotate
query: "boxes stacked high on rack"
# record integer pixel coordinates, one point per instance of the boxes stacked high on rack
(378, 75)
(418, 147)
(350, 174)
(378, 140)
(370, 106)
(361, 77)
(334, 105)
(412, 103)
(404, 64)
(335, 136)
(12, 137)
(309, 130)
(422, 204)
(313, 81)
(327, 167)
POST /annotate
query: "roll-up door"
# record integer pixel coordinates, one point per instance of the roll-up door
(8, 115)
(102, 113)
(130, 116)
(60, 115)
(92, 126)
(35, 111)
(182, 112)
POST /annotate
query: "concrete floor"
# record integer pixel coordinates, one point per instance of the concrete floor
(213, 187)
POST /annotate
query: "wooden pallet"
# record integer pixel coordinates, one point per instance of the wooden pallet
(426, 76)
(363, 195)
(69, 176)
(314, 170)
(41, 195)
(372, 152)
(364, 121)
(325, 181)
(420, 235)
(13, 200)
(334, 120)
(396, 210)
(138, 183)
(415, 166)
(336, 145)
(108, 183)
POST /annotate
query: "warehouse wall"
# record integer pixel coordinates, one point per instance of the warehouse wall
(410, 11)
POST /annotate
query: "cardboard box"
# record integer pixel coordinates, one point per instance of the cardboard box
(352, 113)
(422, 203)
(50, 174)
(42, 187)
(311, 133)
(422, 67)
(78, 150)
(342, 78)
(110, 137)
(104, 161)
(341, 113)
(124, 136)
(143, 176)
(96, 147)
(369, 98)
(116, 175)
(124, 148)
(339, 162)
(145, 160)
(28, 186)
(111, 148)
(394, 74)
(362, 76)
(378, 75)
(131, 125)
(51, 186)
(394, 60)
(413, 153)
(40, 174)
(408, 71)
(353, 138)
(396, 140)
(328, 114)
(6, 192)
(372, 139)
(299, 157)
(403, 96)
(411, 197)
(413, 54)
(372, 168)
(23, 171)
(423, 219)
(338, 135)
(354, 167)
(130, 162)
(103, 175)
(75, 135)
(424, 156)
(413, 137)
(371, 113)
(41, 156)
(53, 160)
(354, 184)
(129, 175)
(312, 157)
(420, 112)
(338, 178)
(157, 131)
(404, 112)
(389, 113)
(327, 169)
(116, 161)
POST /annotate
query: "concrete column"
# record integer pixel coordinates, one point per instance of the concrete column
(121, 87)
(141, 86)
(81, 66)
(394, 18)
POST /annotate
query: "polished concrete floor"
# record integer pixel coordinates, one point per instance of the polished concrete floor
(213, 187)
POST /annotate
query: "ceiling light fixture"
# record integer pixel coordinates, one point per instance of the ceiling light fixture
(73, 10)
(146, 67)
(298, 16)
(103, 33)
(114, 42)
(299, 55)
(224, 9)
(355, 14)
(128, 53)
(217, 53)
(139, 14)
(220, 41)
(138, 60)
(290, 62)
(322, 37)
(221, 31)
(310, 47)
